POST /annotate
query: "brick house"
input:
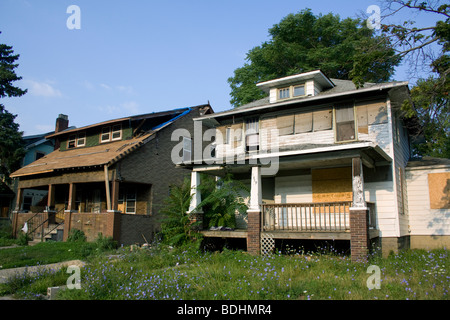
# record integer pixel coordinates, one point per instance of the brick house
(324, 160)
(110, 177)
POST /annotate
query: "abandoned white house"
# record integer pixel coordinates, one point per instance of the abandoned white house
(325, 160)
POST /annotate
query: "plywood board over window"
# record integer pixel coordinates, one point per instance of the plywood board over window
(322, 120)
(285, 124)
(439, 189)
(303, 122)
(332, 184)
(370, 113)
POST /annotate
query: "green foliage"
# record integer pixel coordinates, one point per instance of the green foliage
(176, 227)
(76, 235)
(223, 200)
(11, 143)
(303, 42)
(430, 105)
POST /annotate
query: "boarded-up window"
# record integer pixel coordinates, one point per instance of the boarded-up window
(285, 124)
(345, 122)
(303, 122)
(322, 120)
(439, 188)
(369, 113)
(332, 184)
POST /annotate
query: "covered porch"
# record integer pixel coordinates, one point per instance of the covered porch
(318, 196)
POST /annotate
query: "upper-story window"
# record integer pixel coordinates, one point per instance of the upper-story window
(252, 134)
(111, 133)
(345, 122)
(291, 92)
(76, 140)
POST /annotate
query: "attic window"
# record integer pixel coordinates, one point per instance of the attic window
(111, 135)
(291, 92)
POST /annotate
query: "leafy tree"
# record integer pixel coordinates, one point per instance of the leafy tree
(11, 143)
(303, 42)
(421, 47)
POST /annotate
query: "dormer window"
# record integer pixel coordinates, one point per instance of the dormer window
(111, 133)
(76, 140)
(291, 92)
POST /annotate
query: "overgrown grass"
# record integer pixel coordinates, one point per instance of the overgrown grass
(165, 273)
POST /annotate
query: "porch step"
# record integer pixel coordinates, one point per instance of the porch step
(56, 233)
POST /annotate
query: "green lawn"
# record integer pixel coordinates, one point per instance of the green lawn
(184, 273)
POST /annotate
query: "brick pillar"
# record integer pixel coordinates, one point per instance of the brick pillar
(359, 234)
(113, 225)
(254, 213)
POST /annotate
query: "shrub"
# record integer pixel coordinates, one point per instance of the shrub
(76, 235)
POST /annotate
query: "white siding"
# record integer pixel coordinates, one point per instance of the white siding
(422, 219)
(382, 193)
(293, 189)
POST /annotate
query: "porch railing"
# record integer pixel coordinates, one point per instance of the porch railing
(324, 216)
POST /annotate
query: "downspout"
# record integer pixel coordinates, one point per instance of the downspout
(108, 193)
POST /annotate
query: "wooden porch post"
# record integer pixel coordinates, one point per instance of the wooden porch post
(51, 197)
(359, 223)
(19, 199)
(72, 197)
(115, 195)
(195, 213)
(254, 213)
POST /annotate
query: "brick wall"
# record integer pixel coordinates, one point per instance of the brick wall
(152, 164)
(254, 232)
(359, 234)
(136, 229)
(90, 223)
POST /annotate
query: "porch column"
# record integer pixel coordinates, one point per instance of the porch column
(72, 197)
(51, 204)
(115, 195)
(359, 226)
(254, 213)
(51, 198)
(195, 214)
(19, 199)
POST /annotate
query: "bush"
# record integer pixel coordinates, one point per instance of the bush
(105, 243)
(76, 235)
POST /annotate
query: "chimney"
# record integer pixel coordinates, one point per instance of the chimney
(62, 123)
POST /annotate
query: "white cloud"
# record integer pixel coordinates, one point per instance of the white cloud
(42, 89)
(105, 86)
(126, 89)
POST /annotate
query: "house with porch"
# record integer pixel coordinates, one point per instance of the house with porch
(109, 177)
(324, 160)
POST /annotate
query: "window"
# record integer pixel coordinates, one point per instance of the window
(187, 149)
(228, 135)
(39, 155)
(127, 200)
(291, 92)
(81, 139)
(299, 91)
(71, 143)
(345, 122)
(111, 134)
(252, 134)
(117, 132)
(283, 93)
(106, 134)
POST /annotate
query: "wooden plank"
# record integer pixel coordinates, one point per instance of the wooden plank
(303, 122)
(439, 190)
(285, 124)
(322, 120)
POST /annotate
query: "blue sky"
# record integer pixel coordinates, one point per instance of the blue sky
(132, 57)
